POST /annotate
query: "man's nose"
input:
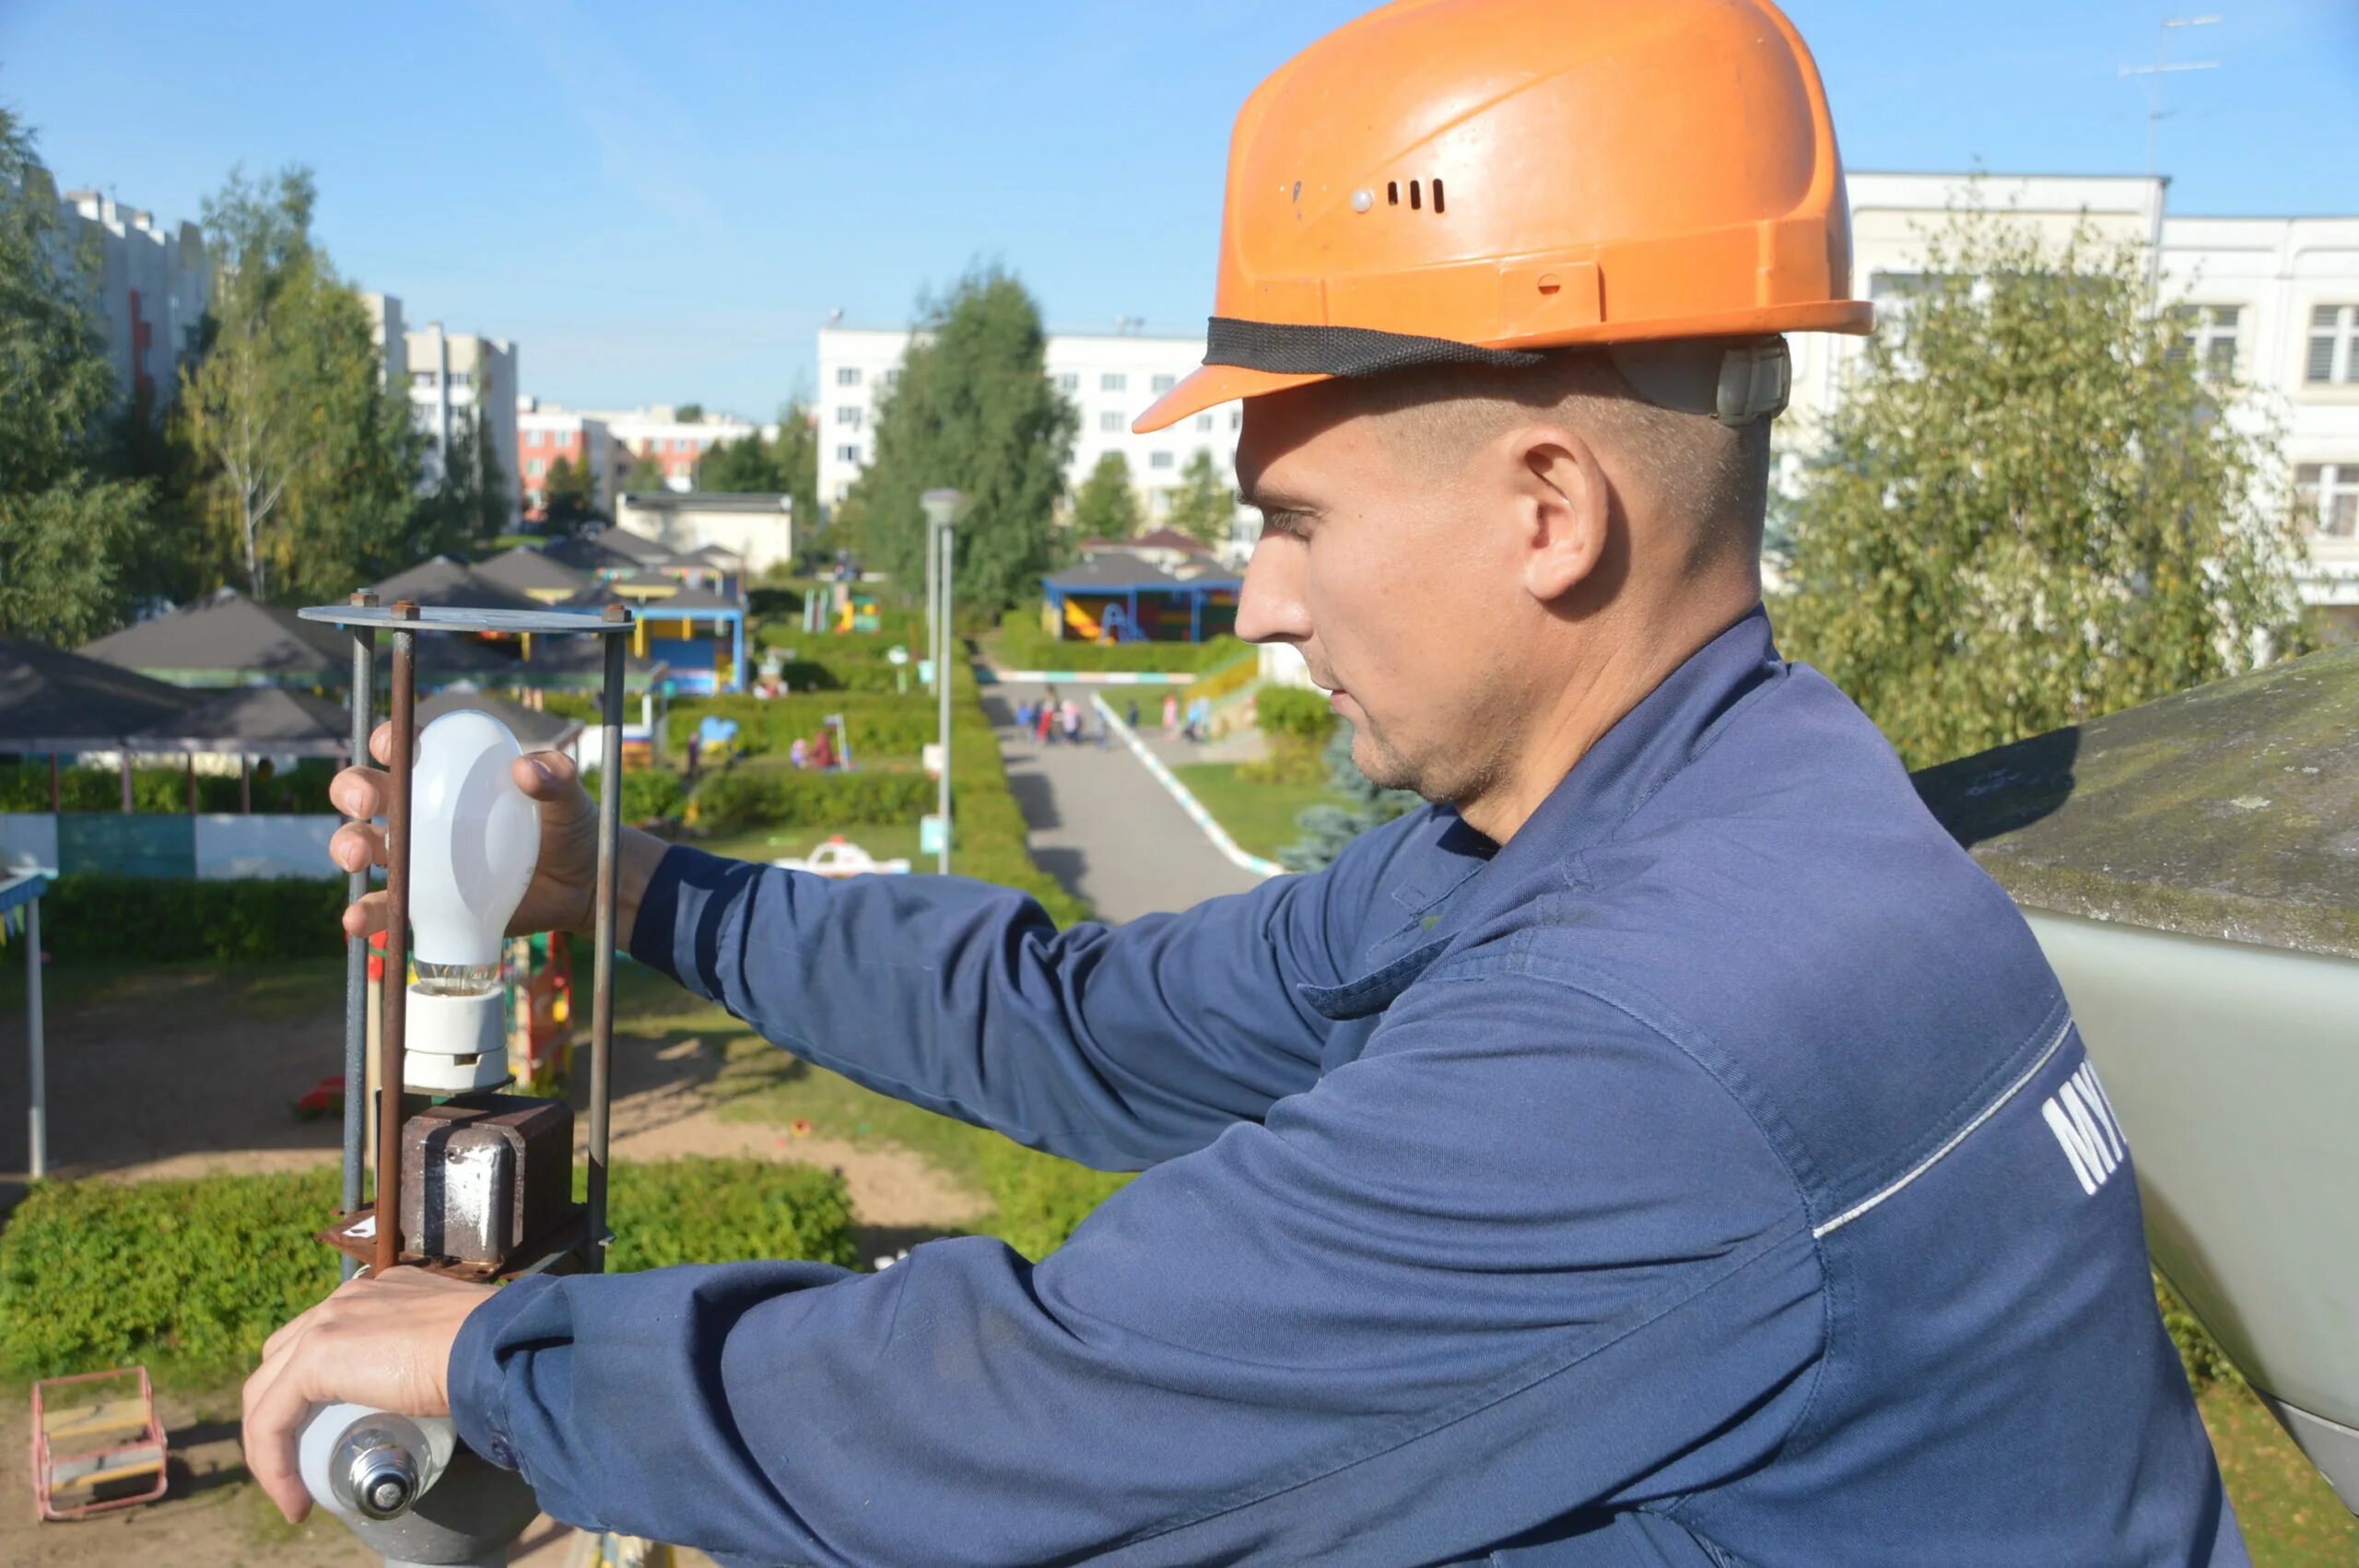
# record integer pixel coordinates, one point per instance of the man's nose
(1270, 606)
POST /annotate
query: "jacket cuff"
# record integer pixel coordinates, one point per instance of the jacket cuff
(476, 1380)
(651, 934)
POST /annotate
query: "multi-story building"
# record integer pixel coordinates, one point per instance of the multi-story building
(459, 376)
(151, 288)
(676, 445)
(2273, 302)
(1110, 380)
(544, 433)
(384, 314)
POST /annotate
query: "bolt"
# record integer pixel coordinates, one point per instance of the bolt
(405, 609)
(617, 612)
(366, 598)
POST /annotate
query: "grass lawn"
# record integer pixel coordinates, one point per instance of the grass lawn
(1261, 817)
(889, 841)
(2291, 1517)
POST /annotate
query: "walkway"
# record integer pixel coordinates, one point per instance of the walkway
(1104, 828)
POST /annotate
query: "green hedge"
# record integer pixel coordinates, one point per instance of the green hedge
(1041, 1198)
(1293, 710)
(194, 1275)
(747, 797)
(650, 795)
(1024, 646)
(160, 920)
(161, 791)
(880, 725)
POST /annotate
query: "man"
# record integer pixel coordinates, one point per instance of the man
(1636, 1157)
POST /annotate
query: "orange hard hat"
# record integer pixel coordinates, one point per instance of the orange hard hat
(1469, 180)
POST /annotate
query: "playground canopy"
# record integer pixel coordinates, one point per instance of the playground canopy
(251, 721)
(53, 701)
(1117, 597)
(534, 573)
(452, 585)
(227, 639)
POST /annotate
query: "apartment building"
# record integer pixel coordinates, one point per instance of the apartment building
(1108, 379)
(149, 291)
(454, 377)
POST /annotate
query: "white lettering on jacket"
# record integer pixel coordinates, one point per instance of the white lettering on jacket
(2083, 1120)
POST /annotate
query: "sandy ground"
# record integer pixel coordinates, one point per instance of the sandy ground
(184, 1072)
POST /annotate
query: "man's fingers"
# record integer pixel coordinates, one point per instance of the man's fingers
(356, 847)
(358, 793)
(545, 775)
(381, 743)
(368, 916)
(275, 1417)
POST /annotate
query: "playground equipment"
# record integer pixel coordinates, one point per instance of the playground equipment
(102, 1451)
(838, 857)
(472, 1183)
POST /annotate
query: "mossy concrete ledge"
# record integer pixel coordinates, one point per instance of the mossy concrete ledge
(2231, 810)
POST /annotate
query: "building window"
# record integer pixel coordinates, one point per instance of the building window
(847, 375)
(462, 379)
(1109, 420)
(1165, 383)
(2207, 335)
(1068, 382)
(1113, 381)
(422, 377)
(847, 416)
(2334, 344)
(2326, 496)
(1203, 421)
(848, 455)
(892, 378)
(1237, 419)
(1158, 460)
(533, 469)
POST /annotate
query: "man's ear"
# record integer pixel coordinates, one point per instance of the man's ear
(1565, 505)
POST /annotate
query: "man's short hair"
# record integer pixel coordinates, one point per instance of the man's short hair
(1690, 465)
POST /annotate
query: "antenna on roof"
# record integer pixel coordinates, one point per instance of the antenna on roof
(2155, 73)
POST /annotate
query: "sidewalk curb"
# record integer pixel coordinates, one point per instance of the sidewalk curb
(1213, 830)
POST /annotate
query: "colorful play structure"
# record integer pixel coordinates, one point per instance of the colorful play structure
(838, 607)
(1117, 598)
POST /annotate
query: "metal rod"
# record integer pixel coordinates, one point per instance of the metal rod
(39, 1114)
(601, 983)
(941, 680)
(393, 1044)
(355, 949)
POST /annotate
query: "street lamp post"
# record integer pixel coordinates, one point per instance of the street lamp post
(941, 516)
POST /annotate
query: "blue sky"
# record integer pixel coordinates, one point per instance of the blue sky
(660, 204)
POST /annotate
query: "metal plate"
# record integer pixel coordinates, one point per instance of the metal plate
(442, 618)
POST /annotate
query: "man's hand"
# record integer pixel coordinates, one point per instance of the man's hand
(562, 896)
(384, 1343)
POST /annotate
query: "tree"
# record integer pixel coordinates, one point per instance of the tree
(303, 461)
(1107, 505)
(69, 529)
(471, 500)
(569, 498)
(1202, 507)
(692, 414)
(795, 460)
(1327, 828)
(646, 473)
(739, 467)
(2027, 511)
(973, 410)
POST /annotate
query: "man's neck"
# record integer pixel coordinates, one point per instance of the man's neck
(1621, 665)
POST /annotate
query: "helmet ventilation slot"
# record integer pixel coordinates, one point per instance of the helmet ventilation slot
(1416, 195)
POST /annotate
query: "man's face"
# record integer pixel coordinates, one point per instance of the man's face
(1404, 600)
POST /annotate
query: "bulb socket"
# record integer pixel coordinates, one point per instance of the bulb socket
(456, 1043)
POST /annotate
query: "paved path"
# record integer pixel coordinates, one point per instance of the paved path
(1102, 826)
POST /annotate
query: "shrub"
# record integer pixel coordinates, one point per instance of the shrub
(1222, 679)
(160, 920)
(197, 1274)
(650, 795)
(2200, 1354)
(1041, 1198)
(1293, 710)
(878, 724)
(745, 797)
(162, 790)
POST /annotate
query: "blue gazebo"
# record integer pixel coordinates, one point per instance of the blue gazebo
(1116, 597)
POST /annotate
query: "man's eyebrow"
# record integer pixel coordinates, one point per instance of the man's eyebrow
(1268, 500)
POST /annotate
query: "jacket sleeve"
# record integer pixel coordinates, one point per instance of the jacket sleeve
(1115, 1046)
(1521, 1257)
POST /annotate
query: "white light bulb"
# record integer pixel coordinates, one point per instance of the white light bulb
(475, 837)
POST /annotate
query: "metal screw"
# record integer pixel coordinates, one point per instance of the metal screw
(365, 598)
(405, 609)
(1361, 200)
(617, 612)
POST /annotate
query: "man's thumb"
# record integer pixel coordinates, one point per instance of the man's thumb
(546, 776)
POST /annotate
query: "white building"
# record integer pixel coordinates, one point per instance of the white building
(458, 376)
(152, 288)
(757, 529)
(2274, 302)
(546, 433)
(386, 331)
(1110, 380)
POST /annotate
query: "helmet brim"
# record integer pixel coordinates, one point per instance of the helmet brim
(1208, 386)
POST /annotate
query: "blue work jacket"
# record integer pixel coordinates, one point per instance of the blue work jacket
(1711, 1174)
